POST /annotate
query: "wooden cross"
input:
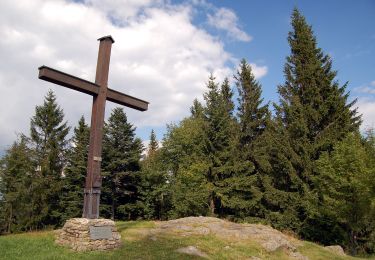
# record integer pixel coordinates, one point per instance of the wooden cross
(100, 92)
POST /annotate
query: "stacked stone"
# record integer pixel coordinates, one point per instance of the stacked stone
(76, 235)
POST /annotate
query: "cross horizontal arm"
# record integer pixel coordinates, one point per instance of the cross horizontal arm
(126, 100)
(72, 82)
(69, 81)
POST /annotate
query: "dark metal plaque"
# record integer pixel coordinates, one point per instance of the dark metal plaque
(100, 232)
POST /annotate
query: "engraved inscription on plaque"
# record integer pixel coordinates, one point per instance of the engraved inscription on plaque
(100, 232)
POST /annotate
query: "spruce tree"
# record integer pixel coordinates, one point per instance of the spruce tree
(245, 193)
(198, 152)
(153, 145)
(313, 114)
(252, 115)
(15, 178)
(121, 156)
(314, 107)
(227, 95)
(196, 109)
(48, 133)
(219, 144)
(71, 200)
(368, 232)
(155, 190)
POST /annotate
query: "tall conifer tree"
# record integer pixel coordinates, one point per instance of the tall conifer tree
(153, 145)
(219, 143)
(245, 192)
(71, 200)
(314, 107)
(199, 152)
(314, 113)
(196, 109)
(48, 134)
(121, 156)
(155, 190)
(252, 115)
(16, 171)
(227, 95)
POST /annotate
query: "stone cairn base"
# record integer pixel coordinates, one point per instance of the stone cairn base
(82, 234)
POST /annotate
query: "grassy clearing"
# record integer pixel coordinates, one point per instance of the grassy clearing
(138, 245)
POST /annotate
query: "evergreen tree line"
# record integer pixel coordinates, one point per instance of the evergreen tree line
(42, 176)
(304, 168)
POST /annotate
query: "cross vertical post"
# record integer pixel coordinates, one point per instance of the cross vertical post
(93, 178)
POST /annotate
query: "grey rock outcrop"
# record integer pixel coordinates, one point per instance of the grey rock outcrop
(336, 249)
(270, 239)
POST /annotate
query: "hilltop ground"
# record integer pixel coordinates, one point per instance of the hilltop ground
(186, 238)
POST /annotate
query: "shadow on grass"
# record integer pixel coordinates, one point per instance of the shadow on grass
(124, 225)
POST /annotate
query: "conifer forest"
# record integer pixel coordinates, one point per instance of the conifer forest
(300, 164)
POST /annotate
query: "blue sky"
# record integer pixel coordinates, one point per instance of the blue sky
(344, 29)
(165, 51)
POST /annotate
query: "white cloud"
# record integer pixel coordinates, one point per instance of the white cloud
(367, 88)
(366, 104)
(366, 107)
(159, 56)
(258, 71)
(120, 11)
(225, 19)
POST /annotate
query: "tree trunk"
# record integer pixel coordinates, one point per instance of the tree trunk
(352, 242)
(212, 205)
(161, 206)
(10, 218)
(113, 202)
(113, 209)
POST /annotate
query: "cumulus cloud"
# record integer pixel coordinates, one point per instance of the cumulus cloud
(258, 71)
(120, 12)
(225, 19)
(366, 107)
(159, 56)
(366, 88)
(366, 104)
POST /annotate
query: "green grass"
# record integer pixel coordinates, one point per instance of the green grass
(314, 251)
(138, 245)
